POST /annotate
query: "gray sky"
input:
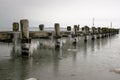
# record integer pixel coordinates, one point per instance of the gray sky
(65, 12)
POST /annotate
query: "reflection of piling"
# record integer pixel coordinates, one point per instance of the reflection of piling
(117, 31)
(25, 37)
(109, 31)
(74, 42)
(57, 44)
(102, 35)
(41, 27)
(85, 39)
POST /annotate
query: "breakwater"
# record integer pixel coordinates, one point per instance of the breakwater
(98, 32)
(22, 35)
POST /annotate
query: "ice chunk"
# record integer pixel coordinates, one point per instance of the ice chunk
(31, 79)
(117, 70)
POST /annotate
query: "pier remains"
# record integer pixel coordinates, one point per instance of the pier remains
(24, 36)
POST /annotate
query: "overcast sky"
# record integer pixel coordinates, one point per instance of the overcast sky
(65, 12)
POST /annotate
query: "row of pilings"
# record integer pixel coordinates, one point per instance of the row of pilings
(25, 39)
(97, 33)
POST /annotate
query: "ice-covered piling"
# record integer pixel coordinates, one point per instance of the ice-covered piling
(15, 37)
(86, 32)
(57, 30)
(57, 36)
(15, 32)
(25, 41)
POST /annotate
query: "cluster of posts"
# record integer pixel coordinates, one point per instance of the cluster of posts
(95, 33)
(25, 40)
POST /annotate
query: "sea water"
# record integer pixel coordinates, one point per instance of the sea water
(94, 60)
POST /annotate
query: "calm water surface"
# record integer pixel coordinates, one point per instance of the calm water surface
(94, 60)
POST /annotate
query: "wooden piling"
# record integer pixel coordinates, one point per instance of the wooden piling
(57, 36)
(25, 37)
(103, 32)
(68, 28)
(15, 38)
(41, 27)
(86, 30)
(15, 26)
(57, 30)
(24, 28)
(117, 31)
(69, 31)
(78, 27)
(75, 29)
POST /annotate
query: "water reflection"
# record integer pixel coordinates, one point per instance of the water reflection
(74, 57)
(92, 46)
(57, 56)
(5, 49)
(16, 51)
(22, 68)
(47, 63)
(104, 41)
(98, 43)
(85, 50)
(12, 69)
